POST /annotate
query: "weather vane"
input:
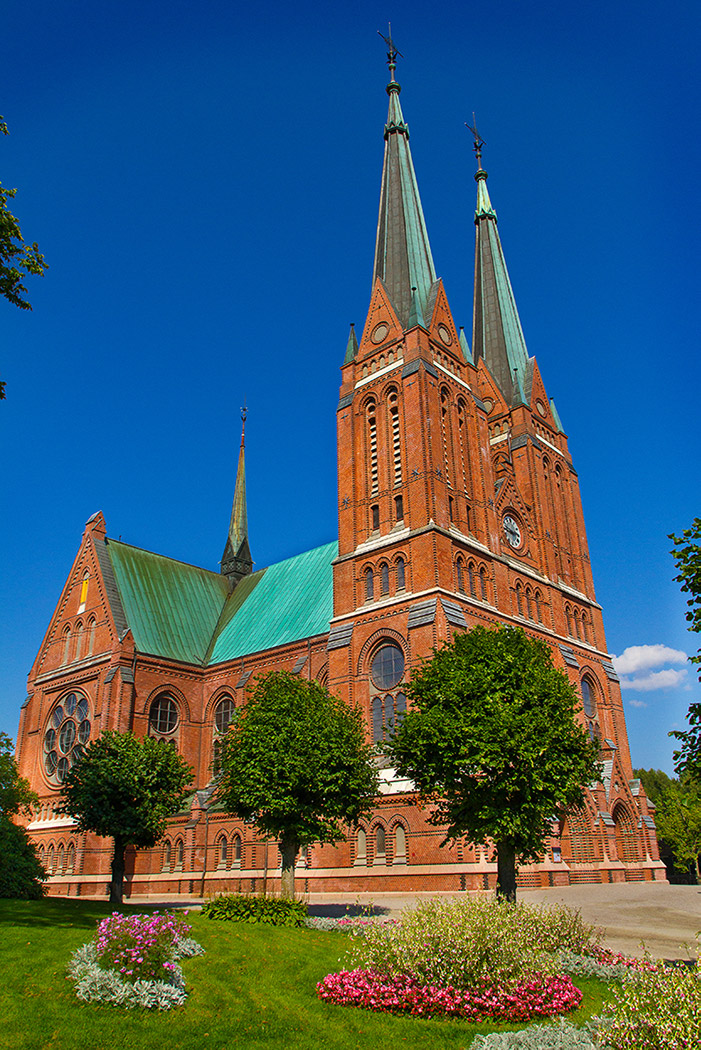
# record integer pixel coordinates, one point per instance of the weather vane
(479, 141)
(392, 50)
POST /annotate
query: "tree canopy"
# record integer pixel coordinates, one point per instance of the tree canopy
(493, 744)
(295, 760)
(125, 788)
(21, 873)
(687, 557)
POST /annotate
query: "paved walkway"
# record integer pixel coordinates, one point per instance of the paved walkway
(664, 918)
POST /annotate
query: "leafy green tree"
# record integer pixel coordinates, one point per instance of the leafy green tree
(687, 557)
(125, 789)
(678, 820)
(21, 873)
(493, 744)
(16, 258)
(295, 760)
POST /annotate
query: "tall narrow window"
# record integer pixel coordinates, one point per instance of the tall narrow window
(380, 845)
(66, 645)
(375, 517)
(167, 856)
(384, 578)
(362, 847)
(369, 585)
(78, 641)
(372, 443)
(577, 630)
(460, 566)
(377, 720)
(451, 508)
(529, 611)
(483, 583)
(236, 851)
(399, 845)
(399, 508)
(461, 439)
(179, 855)
(223, 853)
(396, 445)
(471, 579)
(92, 625)
(568, 616)
(519, 599)
(585, 627)
(444, 434)
(70, 859)
(84, 592)
(538, 606)
(401, 574)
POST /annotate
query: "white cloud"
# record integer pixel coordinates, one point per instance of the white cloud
(667, 679)
(643, 657)
(637, 703)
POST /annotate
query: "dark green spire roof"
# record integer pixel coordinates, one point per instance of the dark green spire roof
(402, 254)
(236, 559)
(496, 335)
(351, 346)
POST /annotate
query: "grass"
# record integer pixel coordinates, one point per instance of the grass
(255, 988)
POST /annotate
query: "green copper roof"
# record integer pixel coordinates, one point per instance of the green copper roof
(172, 608)
(497, 335)
(351, 346)
(290, 600)
(403, 257)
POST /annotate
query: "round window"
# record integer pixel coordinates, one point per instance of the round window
(387, 667)
(163, 716)
(66, 735)
(588, 700)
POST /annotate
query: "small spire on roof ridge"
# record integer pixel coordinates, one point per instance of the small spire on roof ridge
(477, 146)
(416, 313)
(465, 346)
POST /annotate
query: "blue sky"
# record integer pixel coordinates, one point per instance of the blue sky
(204, 182)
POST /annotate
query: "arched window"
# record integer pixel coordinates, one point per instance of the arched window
(626, 840)
(361, 847)
(529, 610)
(66, 645)
(519, 599)
(471, 578)
(577, 630)
(78, 640)
(369, 584)
(70, 858)
(223, 853)
(60, 859)
(236, 851)
(179, 854)
(223, 714)
(398, 508)
(588, 697)
(372, 448)
(538, 606)
(399, 844)
(396, 443)
(378, 733)
(375, 517)
(379, 844)
(167, 856)
(92, 625)
(460, 568)
(84, 592)
(585, 627)
(401, 574)
(163, 714)
(50, 859)
(483, 583)
(568, 617)
(384, 578)
(386, 672)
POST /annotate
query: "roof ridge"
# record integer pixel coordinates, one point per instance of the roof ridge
(166, 557)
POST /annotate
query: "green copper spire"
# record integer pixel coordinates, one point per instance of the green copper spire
(351, 346)
(497, 335)
(403, 257)
(236, 560)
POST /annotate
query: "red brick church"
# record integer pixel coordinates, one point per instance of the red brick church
(458, 505)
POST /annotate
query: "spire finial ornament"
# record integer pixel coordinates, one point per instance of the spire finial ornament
(244, 416)
(477, 146)
(392, 52)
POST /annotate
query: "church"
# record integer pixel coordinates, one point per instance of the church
(458, 506)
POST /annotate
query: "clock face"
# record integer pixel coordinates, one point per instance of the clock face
(512, 531)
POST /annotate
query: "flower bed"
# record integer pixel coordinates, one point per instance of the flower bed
(540, 995)
(133, 962)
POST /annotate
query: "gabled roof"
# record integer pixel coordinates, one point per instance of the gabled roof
(181, 612)
(290, 600)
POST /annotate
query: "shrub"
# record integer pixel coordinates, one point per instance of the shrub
(658, 1008)
(21, 873)
(538, 995)
(558, 1035)
(275, 911)
(468, 942)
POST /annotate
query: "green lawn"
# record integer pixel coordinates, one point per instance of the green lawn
(254, 988)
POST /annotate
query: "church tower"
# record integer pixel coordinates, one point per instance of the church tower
(458, 501)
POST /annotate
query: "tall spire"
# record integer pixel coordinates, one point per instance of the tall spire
(402, 253)
(236, 560)
(497, 335)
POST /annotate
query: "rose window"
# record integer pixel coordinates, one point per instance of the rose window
(66, 736)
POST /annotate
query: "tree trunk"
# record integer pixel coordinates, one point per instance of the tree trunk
(289, 848)
(506, 871)
(117, 883)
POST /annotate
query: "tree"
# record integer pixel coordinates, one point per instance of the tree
(16, 258)
(493, 744)
(687, 557)
(678, 820)
(125, 789)
(21, 873)
(295, 760)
